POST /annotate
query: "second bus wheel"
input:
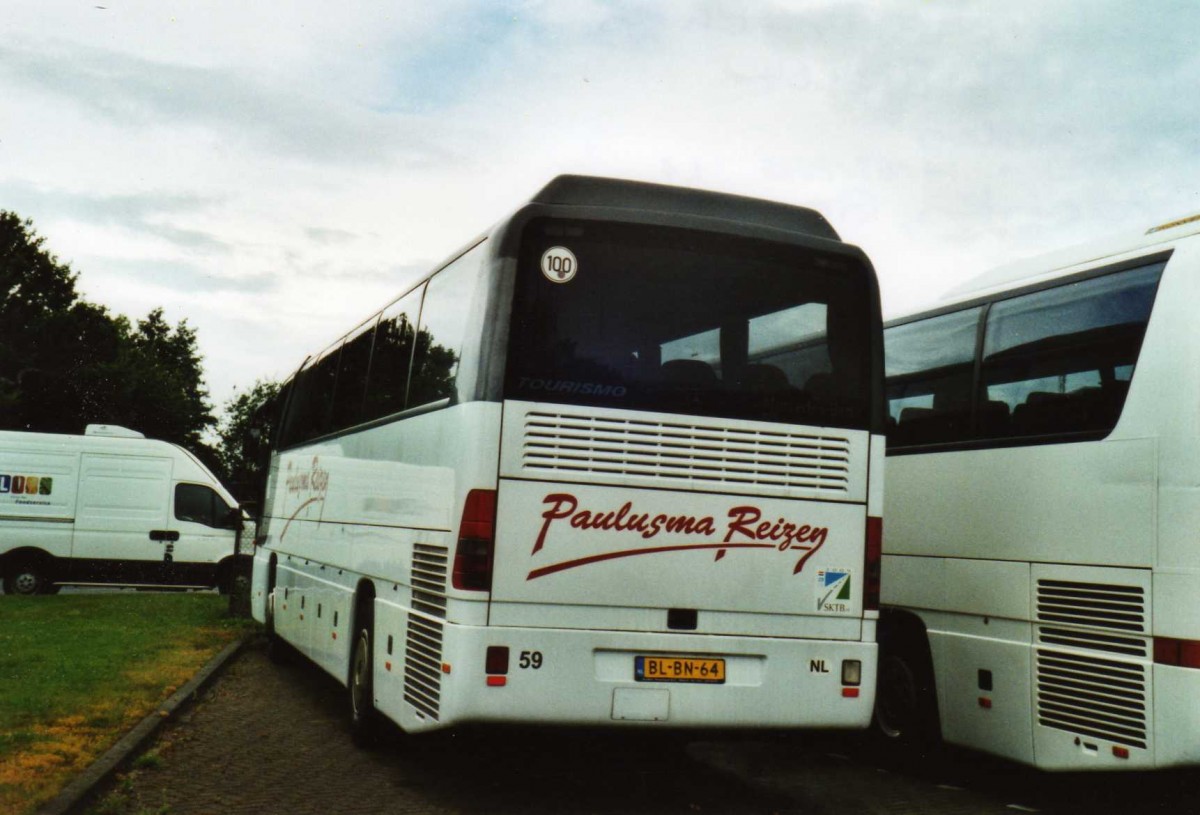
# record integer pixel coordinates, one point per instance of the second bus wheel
(906, 701)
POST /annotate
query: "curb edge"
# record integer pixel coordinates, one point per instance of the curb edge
(132, 742)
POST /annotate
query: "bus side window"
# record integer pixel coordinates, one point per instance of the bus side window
(309, 409)
(1060, 360)
(352, 377)
(442, 335)
(387, 379)
(930, 368)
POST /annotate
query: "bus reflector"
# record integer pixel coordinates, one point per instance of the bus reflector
(1181, 653)
(874, 563)
(476, 537)
(850, 693)
(1120, 752)
(496, 660)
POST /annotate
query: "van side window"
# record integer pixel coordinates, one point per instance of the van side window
(201, 505)
(930, 370)
(1060, 360)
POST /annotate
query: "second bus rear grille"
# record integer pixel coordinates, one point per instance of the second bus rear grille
(1093, 641)
(1095, 605)
(694, 452)
(1089, 696)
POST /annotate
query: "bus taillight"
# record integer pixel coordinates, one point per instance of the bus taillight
(1182, 653)
(476, 538)
(874, 558)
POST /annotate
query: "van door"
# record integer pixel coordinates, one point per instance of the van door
(121, 518)
(206, 536)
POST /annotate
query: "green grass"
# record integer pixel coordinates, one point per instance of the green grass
(77, 671)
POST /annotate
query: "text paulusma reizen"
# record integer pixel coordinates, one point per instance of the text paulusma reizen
(743, 523)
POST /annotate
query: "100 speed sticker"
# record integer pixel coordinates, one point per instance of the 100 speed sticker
(559, 264)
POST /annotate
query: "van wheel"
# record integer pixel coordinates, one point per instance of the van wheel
(28, 577)
(364, 718)
(905, 701)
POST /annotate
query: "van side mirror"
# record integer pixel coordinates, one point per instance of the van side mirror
(233, 520)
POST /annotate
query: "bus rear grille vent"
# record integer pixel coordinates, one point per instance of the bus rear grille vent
(1089, 696)
(695, 452)
(1096, 605)
(1093, 641)
(430, 564)
(423, 665)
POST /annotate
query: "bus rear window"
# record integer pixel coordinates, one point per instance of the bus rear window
(677, 321)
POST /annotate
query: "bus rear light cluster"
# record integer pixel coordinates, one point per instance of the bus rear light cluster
(476, 542)
(851, 678)
(1181, 653)
(495, 663)
(874, 564)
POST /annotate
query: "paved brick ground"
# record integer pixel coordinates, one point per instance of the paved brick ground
(273, 739)
(270, 738)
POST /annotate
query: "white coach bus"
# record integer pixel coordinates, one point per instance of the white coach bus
(1042, 573)
(617, 461)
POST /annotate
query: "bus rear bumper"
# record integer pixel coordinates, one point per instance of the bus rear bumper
(589, 678)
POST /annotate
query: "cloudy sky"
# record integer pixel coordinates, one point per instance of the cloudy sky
(274, 171)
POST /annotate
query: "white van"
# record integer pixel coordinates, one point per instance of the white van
(111, 506)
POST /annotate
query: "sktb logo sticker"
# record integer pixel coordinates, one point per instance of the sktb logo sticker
(25, 484)
(833, 590)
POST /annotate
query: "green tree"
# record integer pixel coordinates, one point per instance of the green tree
(160, 381)
(245, 433)
(65, 363)
(35, 291)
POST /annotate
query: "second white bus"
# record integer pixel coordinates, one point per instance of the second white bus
(616, 462)
(1042, 574)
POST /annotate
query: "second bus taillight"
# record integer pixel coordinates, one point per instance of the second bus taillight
(874, 563)
(476, 542)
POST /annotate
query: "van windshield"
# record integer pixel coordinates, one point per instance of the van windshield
(679, 321)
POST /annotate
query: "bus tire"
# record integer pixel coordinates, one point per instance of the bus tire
(906, 712)
(365, 720)
(278, 651)
(29, 576)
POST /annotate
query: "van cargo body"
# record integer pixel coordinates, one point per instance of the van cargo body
(110, 507)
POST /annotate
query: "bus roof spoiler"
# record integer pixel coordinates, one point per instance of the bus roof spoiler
(582, 190)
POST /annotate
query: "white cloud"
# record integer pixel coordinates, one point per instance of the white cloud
(273, 175)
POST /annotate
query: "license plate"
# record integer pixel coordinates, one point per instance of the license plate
(678, 669)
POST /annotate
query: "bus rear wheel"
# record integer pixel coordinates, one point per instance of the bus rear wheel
(365, 720)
